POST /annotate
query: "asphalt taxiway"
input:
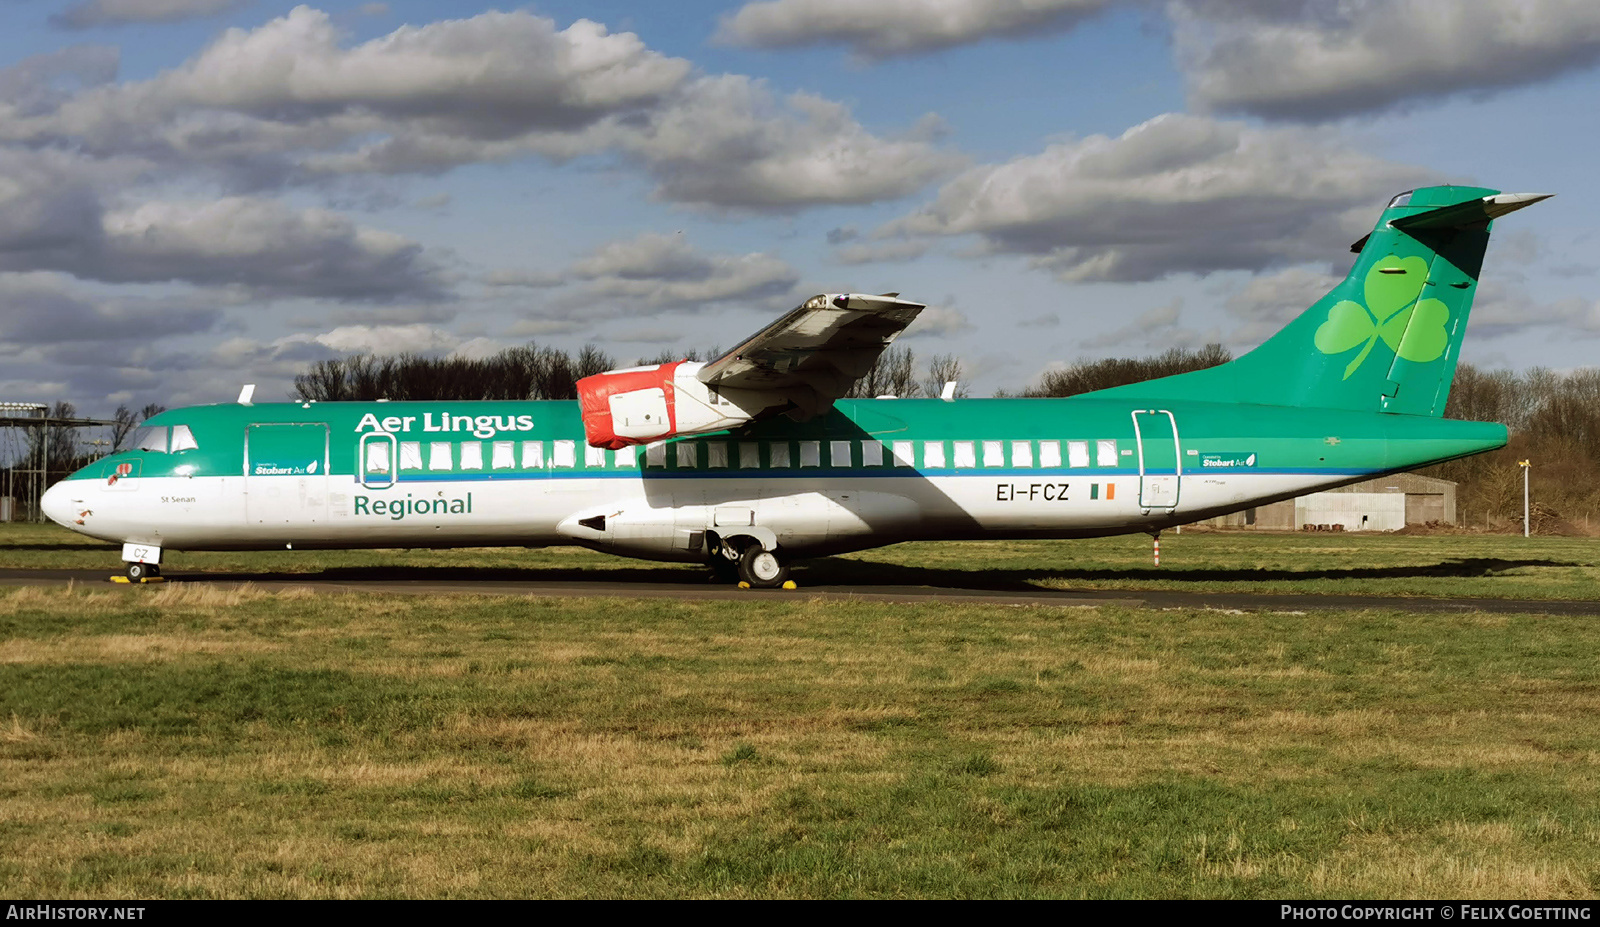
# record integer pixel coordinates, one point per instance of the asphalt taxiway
(688, 586)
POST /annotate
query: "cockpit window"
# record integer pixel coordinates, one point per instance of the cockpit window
(151, 439)
(182, 439)
(1403, 199)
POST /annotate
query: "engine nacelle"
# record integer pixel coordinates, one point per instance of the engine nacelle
(638, 405)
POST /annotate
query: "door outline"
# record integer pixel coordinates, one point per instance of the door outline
(1153, 487)
(367, 480)
(316, 482)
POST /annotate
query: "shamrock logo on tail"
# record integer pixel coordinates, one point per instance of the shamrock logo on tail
(1412, 330)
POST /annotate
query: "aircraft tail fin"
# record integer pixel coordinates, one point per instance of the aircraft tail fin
(1387, 337)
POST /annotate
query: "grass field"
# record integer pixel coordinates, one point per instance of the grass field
(195, 741)
(1493, 565)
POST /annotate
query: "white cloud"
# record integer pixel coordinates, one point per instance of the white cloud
(1158, 326)
(532, 279)
(727, 142)
(938, 321)
(286, 103)
(880, 251)
(1270, 301)
(1175, 194)
(896, 27)
(540, 328)
(511, 69)
(261, 246)
(45, 309)
(121, 12)
(664, 271)
(1498, 312)
(377, 339)
(1320, 59)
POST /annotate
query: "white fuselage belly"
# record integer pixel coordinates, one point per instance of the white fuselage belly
(809, 514)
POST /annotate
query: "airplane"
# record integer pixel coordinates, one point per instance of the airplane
(753, 460)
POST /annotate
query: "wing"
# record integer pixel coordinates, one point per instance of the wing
(816, 352)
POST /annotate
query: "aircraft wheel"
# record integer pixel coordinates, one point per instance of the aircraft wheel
(136, 572)
(763, 569)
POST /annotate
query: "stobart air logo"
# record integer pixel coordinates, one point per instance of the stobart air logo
(1415, 332)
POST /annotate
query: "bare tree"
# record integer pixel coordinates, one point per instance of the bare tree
(1089, 376)
(893, 375)
(941, 370)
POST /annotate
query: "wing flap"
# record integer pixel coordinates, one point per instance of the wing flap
(816, 351)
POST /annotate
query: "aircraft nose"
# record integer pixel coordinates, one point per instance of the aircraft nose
(57, 505)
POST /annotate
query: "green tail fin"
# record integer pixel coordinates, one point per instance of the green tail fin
(1387, 338)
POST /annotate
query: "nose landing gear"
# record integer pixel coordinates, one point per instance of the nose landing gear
(135, 572)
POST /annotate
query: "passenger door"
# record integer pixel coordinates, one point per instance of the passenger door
(286, 474)
(1155, 432)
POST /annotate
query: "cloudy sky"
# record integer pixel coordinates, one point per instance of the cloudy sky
(195, 194)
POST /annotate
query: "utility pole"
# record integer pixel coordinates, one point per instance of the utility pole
(1527, 466)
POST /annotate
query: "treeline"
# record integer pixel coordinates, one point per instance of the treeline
(1088, 376)
(533, 372)
(528, 372)
(1554, 419)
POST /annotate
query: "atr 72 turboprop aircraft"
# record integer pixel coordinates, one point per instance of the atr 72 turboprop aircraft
(752, 460)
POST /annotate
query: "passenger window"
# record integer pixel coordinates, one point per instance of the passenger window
(778, 455)
(439, 455)
(655, 454)
(151, 439)
(965, 458)
(905, 454)
(716, 453)
(533, 455)
(1077, 453)
(839, 453)
(183, 438)
(566, 454)
(688, 453)
(502, 458)
(749, 455)
(378, 458)
(1105, 453)
(933, 453)
(625, 457)
(871, 454)
(1022, 453)
(810, 453)
(472, 455)
(411, 455)
(1050, 454)
(594, 456)
(994, 454)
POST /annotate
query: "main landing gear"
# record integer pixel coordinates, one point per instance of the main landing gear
(750, 565)
(762, 568)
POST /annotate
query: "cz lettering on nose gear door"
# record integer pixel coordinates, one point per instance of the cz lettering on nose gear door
(1030, 492)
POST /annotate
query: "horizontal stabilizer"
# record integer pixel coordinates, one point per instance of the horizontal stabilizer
(1471, 213)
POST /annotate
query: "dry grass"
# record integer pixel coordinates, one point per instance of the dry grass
(191, 741)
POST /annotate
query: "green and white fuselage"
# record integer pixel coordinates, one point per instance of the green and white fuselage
(321, 475)
(701, 462)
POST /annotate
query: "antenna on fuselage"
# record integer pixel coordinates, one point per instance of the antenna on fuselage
(246, 393)
(949, 394)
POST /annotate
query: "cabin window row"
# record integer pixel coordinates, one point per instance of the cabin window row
(440, 456)
(490, 455)
(931, 455)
